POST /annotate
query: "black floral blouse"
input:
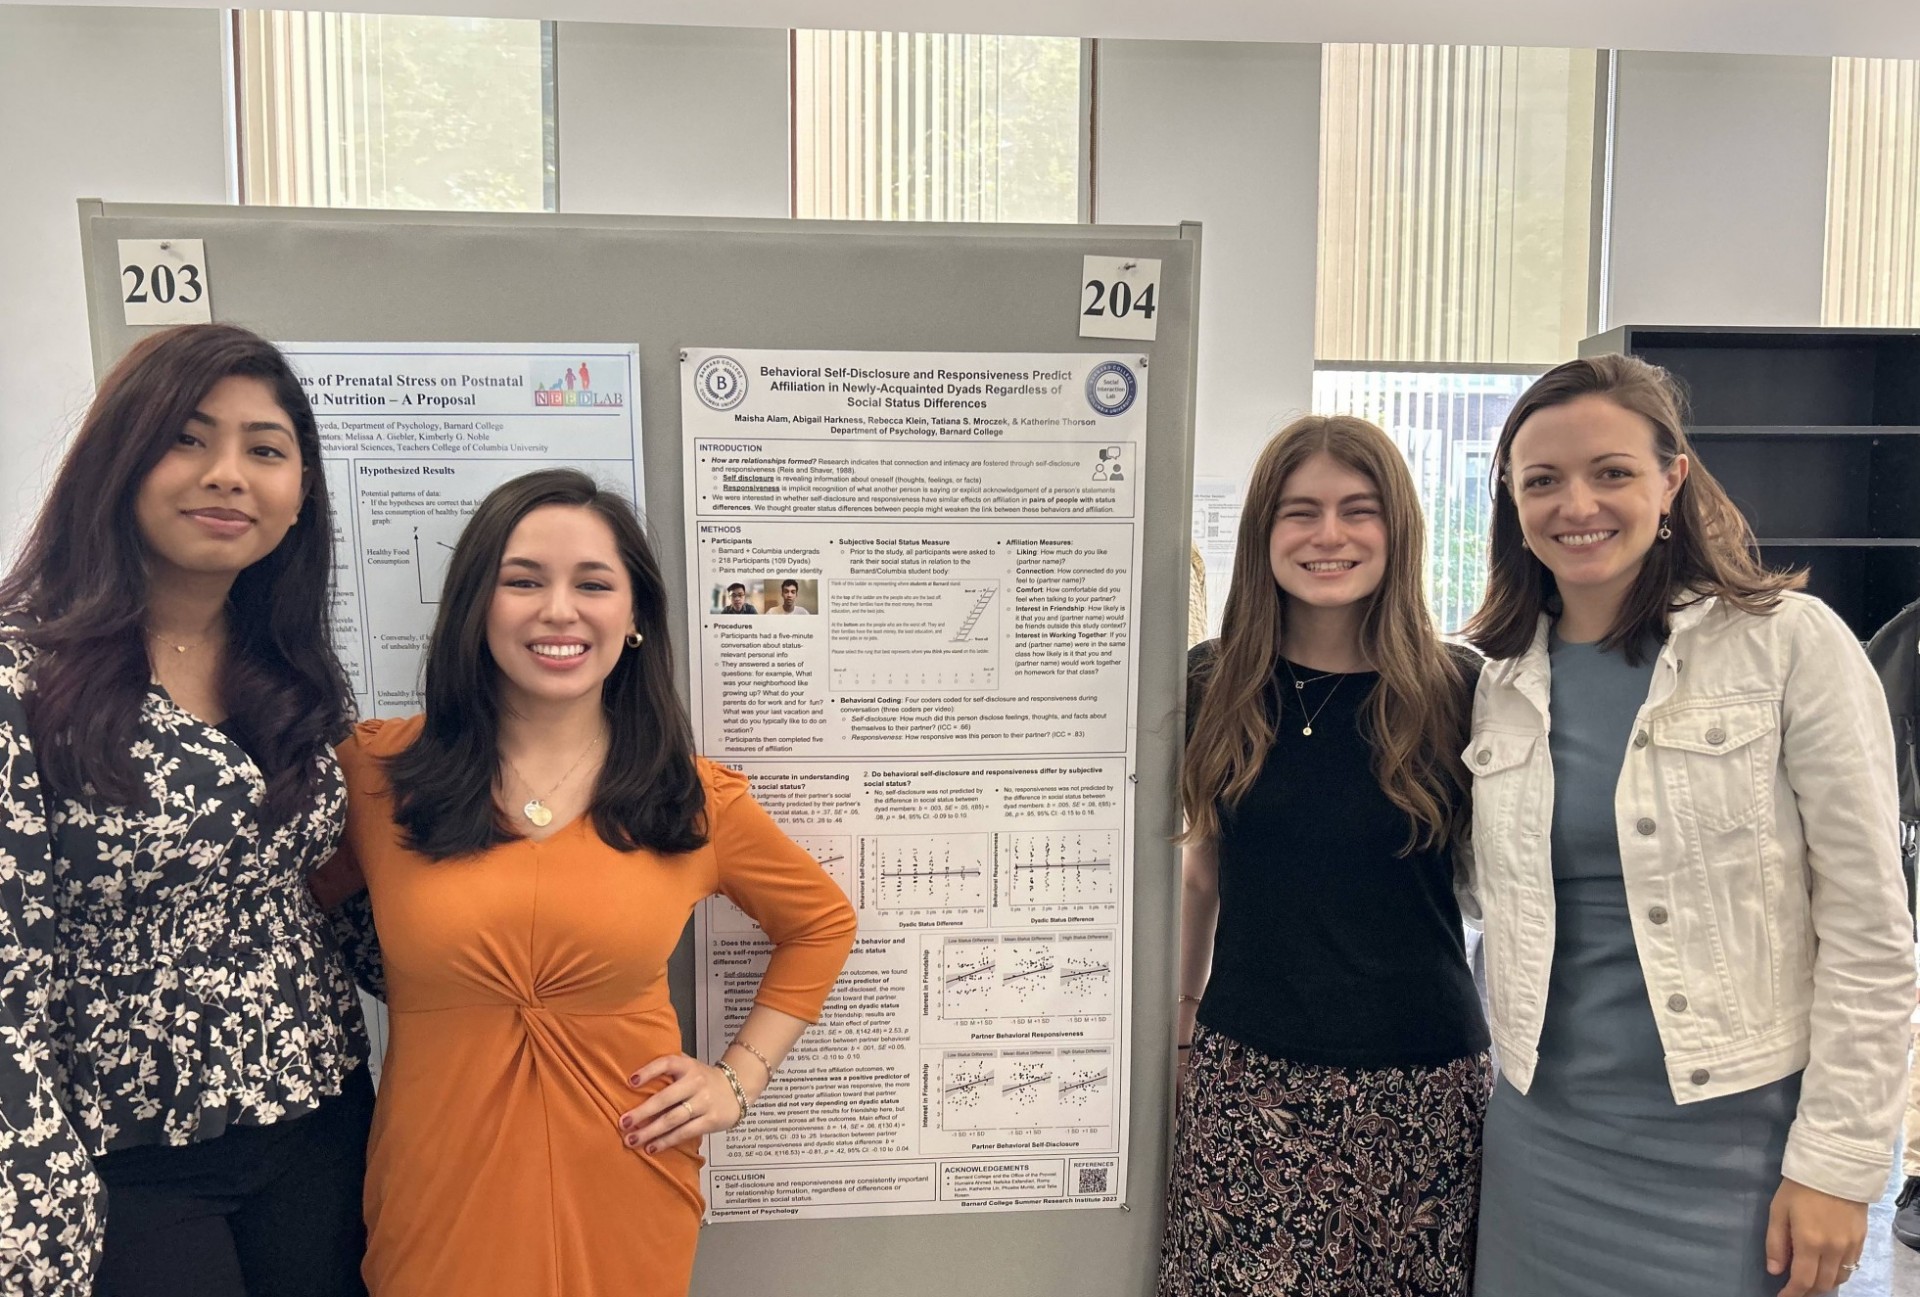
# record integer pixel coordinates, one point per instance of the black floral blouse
(164, 973)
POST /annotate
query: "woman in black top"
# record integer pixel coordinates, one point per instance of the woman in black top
(182, 1061)
(1336, 1077)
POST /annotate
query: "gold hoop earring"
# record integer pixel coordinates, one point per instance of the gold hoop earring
(634, 639)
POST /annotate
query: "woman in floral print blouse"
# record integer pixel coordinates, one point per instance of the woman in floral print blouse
(179, 1035)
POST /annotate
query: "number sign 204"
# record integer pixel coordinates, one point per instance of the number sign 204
(1120, 297)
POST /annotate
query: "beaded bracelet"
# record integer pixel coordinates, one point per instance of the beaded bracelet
(757, 1054)
(733, 1079)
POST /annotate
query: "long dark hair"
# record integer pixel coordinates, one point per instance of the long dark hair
(1711, 551)
(1414, 719)
(648, 794)
(80, 585)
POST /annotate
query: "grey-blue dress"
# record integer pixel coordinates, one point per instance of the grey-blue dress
(1597, 1184)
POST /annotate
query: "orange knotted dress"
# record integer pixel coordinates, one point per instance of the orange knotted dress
(525, 985)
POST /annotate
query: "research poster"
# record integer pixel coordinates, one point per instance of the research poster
(914, 584)
(415, 435)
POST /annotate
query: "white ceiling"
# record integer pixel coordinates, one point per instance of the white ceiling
(1886, 28)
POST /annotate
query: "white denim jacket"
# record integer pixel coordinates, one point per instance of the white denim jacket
(1758, 824)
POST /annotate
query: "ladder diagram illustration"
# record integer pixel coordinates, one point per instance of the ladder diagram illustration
(919, 636)
(982, 600)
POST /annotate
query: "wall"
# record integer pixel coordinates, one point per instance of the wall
(111, 103)
(1719, 189)
(1228, 135)
(1717, 208)
(672, 121)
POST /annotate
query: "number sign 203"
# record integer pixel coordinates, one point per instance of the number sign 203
(1120, 298)
(164, 281)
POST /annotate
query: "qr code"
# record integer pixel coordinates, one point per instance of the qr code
(1093, 1179)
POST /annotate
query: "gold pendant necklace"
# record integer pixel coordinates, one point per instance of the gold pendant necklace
(158, 638)
(538, 813)
(1299, 684)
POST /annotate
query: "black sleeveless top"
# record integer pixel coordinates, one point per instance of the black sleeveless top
(1332, 948)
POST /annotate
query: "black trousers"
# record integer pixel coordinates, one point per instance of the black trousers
(259, 1211)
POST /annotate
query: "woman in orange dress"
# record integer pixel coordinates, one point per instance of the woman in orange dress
(533, 846)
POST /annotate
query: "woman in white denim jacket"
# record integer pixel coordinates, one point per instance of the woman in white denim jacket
(1686, 855)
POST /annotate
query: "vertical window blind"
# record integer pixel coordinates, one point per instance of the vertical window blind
(369, 110)
(915, 127)
(1873, 195)
(1455, 203)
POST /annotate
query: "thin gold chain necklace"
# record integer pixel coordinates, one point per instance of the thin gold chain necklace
(168, 641)
(538, 813)
(1299, 684)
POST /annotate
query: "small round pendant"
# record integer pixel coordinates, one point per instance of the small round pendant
(537, 812)
(1307, 730)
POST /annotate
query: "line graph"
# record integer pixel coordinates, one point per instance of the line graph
(430, 558)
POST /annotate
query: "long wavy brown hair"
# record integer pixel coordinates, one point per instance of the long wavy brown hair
(1711, 551)
(1415, 717)
(648, 795)
(80, 586)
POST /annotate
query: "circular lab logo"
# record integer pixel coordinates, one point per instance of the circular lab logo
(1111, 388)
(720, 382)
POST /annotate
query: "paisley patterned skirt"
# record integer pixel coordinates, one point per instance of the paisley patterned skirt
(1304, 1181)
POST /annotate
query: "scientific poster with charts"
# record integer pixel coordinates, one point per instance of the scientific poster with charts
(914, 583)
(414, 435)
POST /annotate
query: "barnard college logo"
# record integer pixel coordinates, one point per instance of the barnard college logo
(1111, 388)
(720, 383)
(572, 385)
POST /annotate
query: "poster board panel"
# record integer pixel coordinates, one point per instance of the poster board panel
(663, 284)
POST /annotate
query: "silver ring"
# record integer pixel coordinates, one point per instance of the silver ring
(1848, 1267)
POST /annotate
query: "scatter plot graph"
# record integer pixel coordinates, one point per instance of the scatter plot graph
(1063, 868)
(1086, 982)
(927, 871)
(1026, 1089)
(1084, 1083)
(967, 1091)
(969, 976)
(1059, 974)
(1028, 971)
(834, 855)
